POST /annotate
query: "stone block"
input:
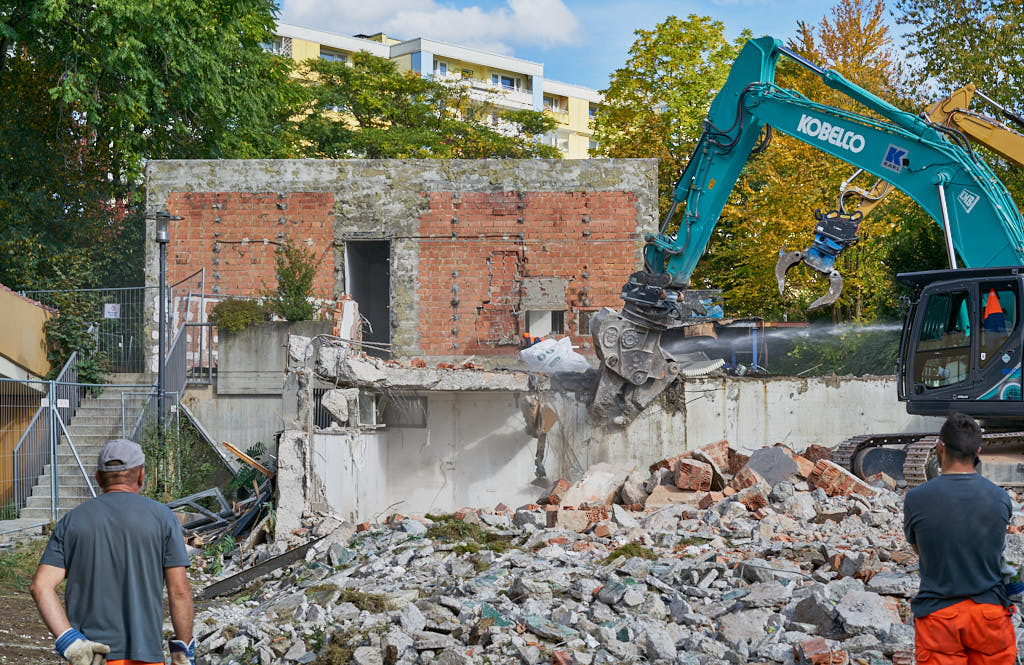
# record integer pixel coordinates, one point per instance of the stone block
(692, 474)
(599, 484)
(864, 612)
(664, 495)
(774, 464)
(837, 481)
(633, 490)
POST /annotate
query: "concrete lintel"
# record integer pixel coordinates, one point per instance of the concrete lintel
(335, 363)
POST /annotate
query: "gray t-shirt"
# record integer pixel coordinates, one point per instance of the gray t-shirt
(114, 549)
(958, 522)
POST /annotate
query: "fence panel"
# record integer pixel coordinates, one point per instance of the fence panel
(24, 441)
(120, 318)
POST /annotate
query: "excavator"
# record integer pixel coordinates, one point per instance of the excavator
(962, 342)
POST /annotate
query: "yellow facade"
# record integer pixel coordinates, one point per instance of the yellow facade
(503, 81)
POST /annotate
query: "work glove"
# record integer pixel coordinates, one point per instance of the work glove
(78, 650)
(181, 653)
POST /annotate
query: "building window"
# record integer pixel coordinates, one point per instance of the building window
(441, 68)
(275, 46)
(545, 322)
(402, 411)
(593, 145)
(592, 110)
(330, 55)
(552, 103)
(507, 82)
(467, 73)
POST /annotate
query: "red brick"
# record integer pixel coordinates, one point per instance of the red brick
(816, 651)
(835, 480)
(692, 474)
(362, 526)
(718, 452)
(753, 497)
(746, 477)
(558, 491)
(710, 499)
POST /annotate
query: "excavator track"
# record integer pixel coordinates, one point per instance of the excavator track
(920, 453)
(915, 466)
(847, 454)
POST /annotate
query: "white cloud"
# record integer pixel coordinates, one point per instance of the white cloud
(543, 23)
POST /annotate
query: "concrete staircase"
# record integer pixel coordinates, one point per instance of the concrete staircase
(97, 420)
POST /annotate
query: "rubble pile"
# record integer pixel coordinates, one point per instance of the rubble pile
(709, 557)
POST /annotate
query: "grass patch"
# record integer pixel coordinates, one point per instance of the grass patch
(371, 602)
(630, 550)
(18, 565)
(692, 540)
(471, 537)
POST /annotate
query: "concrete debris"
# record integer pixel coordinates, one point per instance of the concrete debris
(616, 568)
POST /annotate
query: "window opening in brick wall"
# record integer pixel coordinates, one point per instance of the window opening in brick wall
(545, 322)
(402, 411)
(368, 281)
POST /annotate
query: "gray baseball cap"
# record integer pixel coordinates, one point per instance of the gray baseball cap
(120, 454)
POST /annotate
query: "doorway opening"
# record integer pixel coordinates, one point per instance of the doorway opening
(368, 281)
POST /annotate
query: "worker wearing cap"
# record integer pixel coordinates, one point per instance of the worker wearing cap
(956, 524)
(116, 552)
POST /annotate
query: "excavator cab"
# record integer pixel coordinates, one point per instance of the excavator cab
(962, 343)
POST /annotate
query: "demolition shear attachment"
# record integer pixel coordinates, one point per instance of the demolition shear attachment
(834, 232)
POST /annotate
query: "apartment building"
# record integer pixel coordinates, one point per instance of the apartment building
(501, 80)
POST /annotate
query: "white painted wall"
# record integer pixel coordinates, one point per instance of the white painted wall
(475, 451)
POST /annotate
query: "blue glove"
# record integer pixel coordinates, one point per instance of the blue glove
(181, 653)
(73, 646)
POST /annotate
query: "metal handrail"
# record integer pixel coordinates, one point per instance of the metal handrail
(71, 444)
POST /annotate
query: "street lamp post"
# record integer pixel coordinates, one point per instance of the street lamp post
(162, 237)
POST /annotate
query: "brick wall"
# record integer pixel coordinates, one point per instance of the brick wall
(471, 285)
(469, 238)
(225, 233)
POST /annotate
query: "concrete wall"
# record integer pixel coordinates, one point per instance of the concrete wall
(246, 404)
(22, 339)
(465, 235)
(475, 451)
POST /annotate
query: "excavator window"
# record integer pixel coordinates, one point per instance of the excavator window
(998, 318)
(942, 356)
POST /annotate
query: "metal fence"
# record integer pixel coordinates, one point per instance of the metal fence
(119, 316)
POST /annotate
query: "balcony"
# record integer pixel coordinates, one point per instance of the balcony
(484, 91)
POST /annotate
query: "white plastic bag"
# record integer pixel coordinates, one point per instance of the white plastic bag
(554, 356)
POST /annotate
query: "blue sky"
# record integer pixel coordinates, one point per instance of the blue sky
(578, 42)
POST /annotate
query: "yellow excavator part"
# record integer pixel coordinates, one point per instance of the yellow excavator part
(954, 112)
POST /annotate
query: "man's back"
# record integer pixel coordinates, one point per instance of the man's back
(958, 523)
(114, 549)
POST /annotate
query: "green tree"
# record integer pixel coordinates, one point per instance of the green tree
(90, 90)
(957, 42)
(655, 104)
(372, 110)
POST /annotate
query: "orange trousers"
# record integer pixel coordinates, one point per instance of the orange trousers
(967, 633)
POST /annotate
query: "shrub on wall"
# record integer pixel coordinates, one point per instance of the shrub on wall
(234, 315)
(296, 269)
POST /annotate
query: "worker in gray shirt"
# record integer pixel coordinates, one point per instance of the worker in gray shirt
(116, 552)
(956, 524)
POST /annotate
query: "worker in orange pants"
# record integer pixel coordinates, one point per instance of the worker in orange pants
(967, 633)
(956, 524)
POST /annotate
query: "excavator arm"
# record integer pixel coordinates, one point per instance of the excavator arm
(953, 185)
(952, 112)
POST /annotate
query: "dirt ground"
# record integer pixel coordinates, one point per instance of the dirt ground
(24, 639)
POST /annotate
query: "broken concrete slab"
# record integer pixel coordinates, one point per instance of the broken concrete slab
(599, 485)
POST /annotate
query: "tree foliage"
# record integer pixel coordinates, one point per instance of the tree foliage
(655, 104)
(370, 109)
(956, 42)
